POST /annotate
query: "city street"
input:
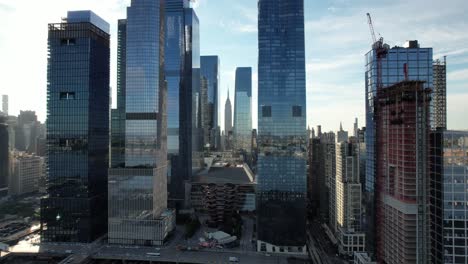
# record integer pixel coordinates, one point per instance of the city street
(99, 252)
(322, 244)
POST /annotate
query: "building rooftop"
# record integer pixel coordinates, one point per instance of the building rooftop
(88, 16)
(221, 175)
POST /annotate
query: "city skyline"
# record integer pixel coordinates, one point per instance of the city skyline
(281, 131)
(334, 71)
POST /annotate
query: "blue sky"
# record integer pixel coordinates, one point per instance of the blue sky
(337, 37)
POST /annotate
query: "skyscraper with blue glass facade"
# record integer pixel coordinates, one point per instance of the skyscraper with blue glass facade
(75, 209)
(118, 115)
(138, 189)
(182, 69)
(455, 198)
(399, 63)
(281, 180)
(243, 109)
(210, 70)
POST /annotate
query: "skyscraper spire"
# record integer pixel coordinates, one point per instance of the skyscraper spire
(341, 126)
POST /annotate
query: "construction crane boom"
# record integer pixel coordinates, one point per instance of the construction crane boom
(371, 26)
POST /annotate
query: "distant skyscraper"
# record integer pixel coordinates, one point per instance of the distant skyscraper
(417, 63)
(455, 211)
(117, 158)
(440, 94)
(342, 136)
(282, 175)
(348, 193)
(12, 122)
(228, 121)
(5, 104)
(75, 209)
(4, 157)
(138, 191)
(210, 70)
(243, 109)
(204, 109)
(402, 184)
(184, 116)
(26, 130)
(356, 128)
(328, 141)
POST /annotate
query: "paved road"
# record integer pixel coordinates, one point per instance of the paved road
(78, 252)
(170, 254)
(324, 247)
(247, 235)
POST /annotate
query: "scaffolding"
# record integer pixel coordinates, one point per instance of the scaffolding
(440, 94)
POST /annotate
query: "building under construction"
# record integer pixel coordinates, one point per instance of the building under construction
(403, 172)
(440, 94)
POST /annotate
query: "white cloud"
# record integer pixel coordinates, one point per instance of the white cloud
(333, 63)
(457, 109)
(460, 75)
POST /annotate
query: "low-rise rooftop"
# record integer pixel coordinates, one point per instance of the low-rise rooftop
(227, 174)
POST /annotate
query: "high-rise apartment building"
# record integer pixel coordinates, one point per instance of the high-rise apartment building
(5, 104)
(282, 173)
(243, 109)
(4, 157)
(403, 171)
(138, 191)
(328, 141)
(210, 71)
(455, 199)
(184, 115)
(397, 64)
(75, 208)
(348, 203)
(25, 173)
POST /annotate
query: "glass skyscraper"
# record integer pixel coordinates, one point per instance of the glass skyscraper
(138, 190)
(399, 63)
(455, 188)
(210, 71)
(118, 115)
(282, 180)
(182, 68)
(75, 209)
(243, 109)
